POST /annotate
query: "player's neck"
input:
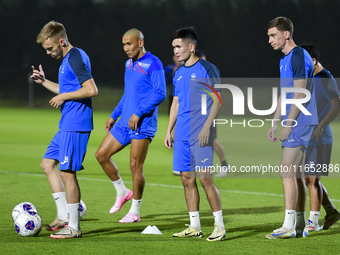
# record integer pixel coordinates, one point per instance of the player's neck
(141, 53)
(317, 68)
(67, 49)
(192, 60)
(288, 47)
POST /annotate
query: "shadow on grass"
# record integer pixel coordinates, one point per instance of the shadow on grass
(177, 221)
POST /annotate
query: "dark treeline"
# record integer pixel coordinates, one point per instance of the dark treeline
(231, 33)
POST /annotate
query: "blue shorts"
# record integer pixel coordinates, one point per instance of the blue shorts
(318, 158)
(299, 136)
(124, 134)
(69, 149)
(189, 157)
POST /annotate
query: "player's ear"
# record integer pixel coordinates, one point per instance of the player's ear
(286, 34)
(192, 47)
(62, 42)
(314, 61)
(141, 43)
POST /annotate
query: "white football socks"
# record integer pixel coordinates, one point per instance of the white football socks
(314, 217)
(74, 216)
(195, 220)
(219, 219)
(289, 219)
(135, 206)
(120, 187)
(61, 204)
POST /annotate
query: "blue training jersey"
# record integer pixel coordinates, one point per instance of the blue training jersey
(326, 89)
(190, 84)
(144, 90)
(75, 69)
(298, 64)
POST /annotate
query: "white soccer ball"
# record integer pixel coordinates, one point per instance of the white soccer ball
(82, 209)
(24, 206)
(28, 223)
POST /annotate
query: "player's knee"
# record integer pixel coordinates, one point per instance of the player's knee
(100, 156)
(46, 166)
(312, 182)
(206, 182)
(134, 165)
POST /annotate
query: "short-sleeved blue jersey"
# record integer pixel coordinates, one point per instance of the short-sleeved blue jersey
(75, 69)
(326, 89)
(189, 86)
(298, 64)
(144, 90)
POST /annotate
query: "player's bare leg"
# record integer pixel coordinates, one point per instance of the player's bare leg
(72, 189)
(138, 152)
(49, 166)
(109, 147)
(192, 199)
(291, 158)
(315, 192)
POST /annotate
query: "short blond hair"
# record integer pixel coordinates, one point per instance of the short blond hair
(53, 30)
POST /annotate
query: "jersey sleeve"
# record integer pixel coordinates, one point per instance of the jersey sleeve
(298, 64)
(118, 110)
(158, 94)
(78, 66)
(213, 74)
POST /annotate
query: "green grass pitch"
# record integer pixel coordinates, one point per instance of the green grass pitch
(252, 207)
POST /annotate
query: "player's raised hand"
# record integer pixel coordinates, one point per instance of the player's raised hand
(271, 134)
(38, 75)
(109, 124)
(167, 141)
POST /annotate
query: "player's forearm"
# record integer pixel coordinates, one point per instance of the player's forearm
(88, 89)
(331, 115)
(51, 86)
(215, 108)
(172, 117)
(277, 114)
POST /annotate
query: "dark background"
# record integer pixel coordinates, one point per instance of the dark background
(232, 33)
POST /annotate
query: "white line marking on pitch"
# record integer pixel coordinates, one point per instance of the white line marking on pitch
(162, 185)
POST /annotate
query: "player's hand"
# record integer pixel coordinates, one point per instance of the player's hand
(285, 132)
(271, 134)
(133, 122)
(203, 136)
(109, 124)
(168, 141)
(57, 101)
(38, 75)
(316, 133)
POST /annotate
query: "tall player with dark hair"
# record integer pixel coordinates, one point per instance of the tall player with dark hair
(296, 71)
(193, 144)
(318, 155)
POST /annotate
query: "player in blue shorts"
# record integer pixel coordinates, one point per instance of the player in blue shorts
(319, 149)
(74, 90)
(193, 151)
(144, 90)
(296, 72)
